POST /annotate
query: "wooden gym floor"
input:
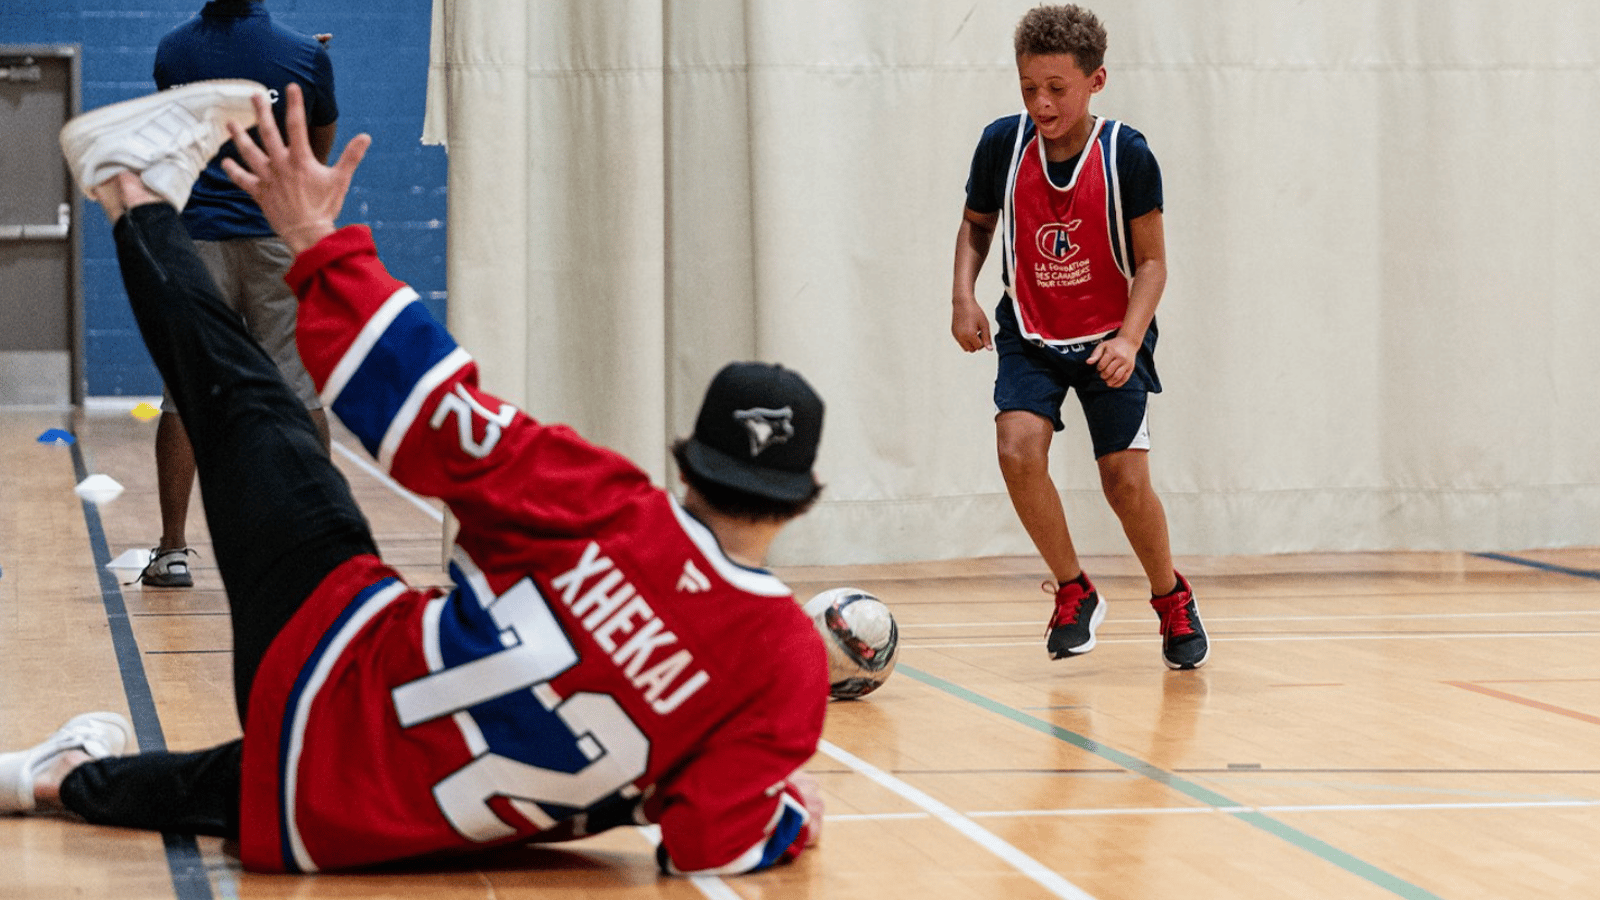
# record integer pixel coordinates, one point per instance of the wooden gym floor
(1411, 725)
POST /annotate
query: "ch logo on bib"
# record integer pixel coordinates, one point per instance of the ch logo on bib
(1055, 240)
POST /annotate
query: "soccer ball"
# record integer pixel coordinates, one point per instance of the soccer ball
(861, 638)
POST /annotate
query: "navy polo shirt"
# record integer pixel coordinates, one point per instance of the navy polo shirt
(233, 39)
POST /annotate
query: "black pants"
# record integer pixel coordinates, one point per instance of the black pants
(281, 515)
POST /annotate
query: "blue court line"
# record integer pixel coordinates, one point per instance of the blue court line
(189, 880)
(1323, 850)
(1535, 564)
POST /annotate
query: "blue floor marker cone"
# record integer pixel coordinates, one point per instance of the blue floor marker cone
(57, 436)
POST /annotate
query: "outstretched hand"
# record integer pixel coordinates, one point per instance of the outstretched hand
(300, 196)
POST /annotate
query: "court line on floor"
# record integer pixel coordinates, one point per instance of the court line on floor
(713, 887)
(189, 878)
(1212, 620)
(1319, 848)
(1214, 810)
(1041, 874)
(1525, 701)
(1277, 638)
(1388, 770)
(1590, 574)
(1254, 770)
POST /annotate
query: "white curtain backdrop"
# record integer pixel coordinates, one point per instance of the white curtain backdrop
(1380, 321)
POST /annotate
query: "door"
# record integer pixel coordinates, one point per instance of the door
(41, 330)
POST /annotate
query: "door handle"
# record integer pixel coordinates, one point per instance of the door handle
(56, 232)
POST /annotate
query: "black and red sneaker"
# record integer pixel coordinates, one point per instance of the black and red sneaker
(1079, 611)
(1183, 639)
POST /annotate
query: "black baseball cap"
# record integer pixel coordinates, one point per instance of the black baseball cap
(757, 432)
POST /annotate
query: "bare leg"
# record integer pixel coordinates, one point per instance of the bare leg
(319, 420)
(121, 191)
(174, 480)
(1125, 478)
(1023, 441)
(47, 786)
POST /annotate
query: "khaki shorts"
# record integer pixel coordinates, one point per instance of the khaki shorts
(249, 274)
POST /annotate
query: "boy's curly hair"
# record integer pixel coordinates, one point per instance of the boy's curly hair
(1062, 30)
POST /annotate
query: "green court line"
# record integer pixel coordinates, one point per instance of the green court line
(1391, 883)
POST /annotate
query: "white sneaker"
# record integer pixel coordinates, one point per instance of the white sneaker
(166, 138)
(99, 734)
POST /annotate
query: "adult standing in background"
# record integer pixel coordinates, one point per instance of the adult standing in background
(237, 39)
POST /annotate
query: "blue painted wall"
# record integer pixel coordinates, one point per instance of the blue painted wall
(380, 57)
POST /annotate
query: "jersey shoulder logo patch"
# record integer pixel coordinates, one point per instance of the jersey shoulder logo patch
(693, 581)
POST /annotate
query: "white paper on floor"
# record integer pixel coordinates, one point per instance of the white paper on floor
(99, 489)
(130, 559)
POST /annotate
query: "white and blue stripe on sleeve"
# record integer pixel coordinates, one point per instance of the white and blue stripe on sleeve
(400, 356)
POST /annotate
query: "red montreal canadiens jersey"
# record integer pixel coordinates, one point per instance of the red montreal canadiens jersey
(1064, 244)
(598, 663)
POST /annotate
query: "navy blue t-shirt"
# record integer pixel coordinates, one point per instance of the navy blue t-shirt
(233, 39)
(1137, 171)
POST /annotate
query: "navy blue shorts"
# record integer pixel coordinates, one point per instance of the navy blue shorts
(1035, 379)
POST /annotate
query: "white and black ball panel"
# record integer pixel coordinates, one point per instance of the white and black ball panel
(861, 637)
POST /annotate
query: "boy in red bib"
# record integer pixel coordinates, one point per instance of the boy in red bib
(1076, 200)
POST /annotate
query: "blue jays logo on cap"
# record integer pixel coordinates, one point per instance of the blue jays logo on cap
(757, 432)
(766, 426)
